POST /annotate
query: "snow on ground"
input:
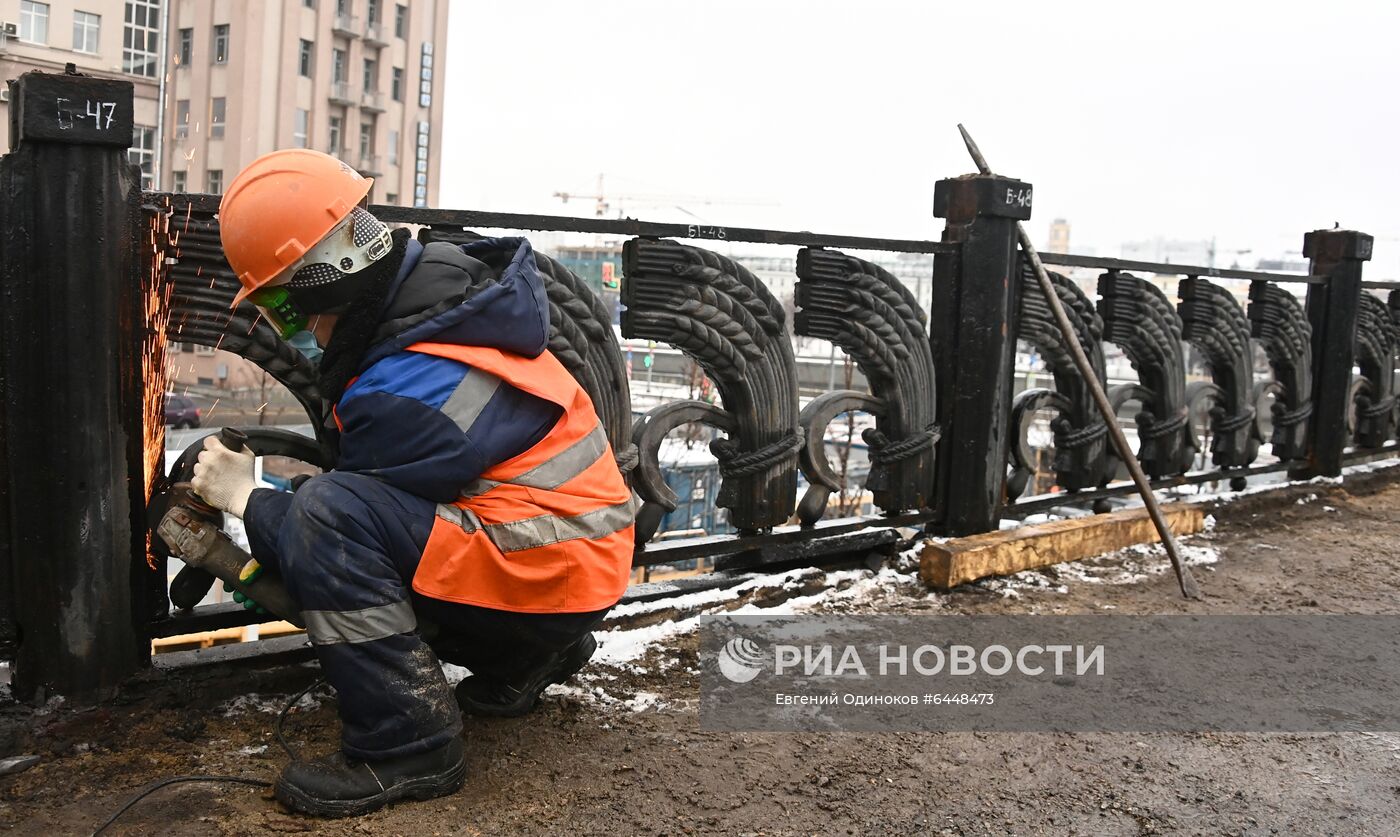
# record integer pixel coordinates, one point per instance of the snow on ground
(270, 703)
(1126, 566)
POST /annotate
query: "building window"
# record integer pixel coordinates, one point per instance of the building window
(392, 199)
(338, 66)
(185, 53)
(86, 27)
(335, 128)
(216, 181)
(305, 58)
(371, 75)
(301, 125)
(396, 84)
(143, 153)
(221, 44)
(401, 21)
(141, 37)
(310, 4)
(366, 139)
(342, 7)
(372, 12)
(218, 107)
(393, 148)
(34, 22)
(178, 182)
(201, 349)
(182, 119)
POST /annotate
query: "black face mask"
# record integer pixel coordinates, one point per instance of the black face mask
(359, 319)
(326, 298)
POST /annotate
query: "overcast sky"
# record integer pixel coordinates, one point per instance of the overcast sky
(1248, 122)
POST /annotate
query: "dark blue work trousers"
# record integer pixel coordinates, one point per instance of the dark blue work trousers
(347, 546)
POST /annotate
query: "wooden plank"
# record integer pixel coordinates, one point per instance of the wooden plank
(945, 565)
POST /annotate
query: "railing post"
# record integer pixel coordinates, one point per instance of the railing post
(976, 297)
(65, 264)
(1332, 312)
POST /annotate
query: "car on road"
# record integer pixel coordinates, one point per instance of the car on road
(181, 412)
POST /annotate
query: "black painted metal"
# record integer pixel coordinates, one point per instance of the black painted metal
(1081, 437)
(974, 312)
(1139, 318)
(1044, 502)
(646, 229)
(1169, 269)
(719, 313)
(1217, 325)
(647, 435)
(472, 219)
(69, 408)
(867, 312)
(1375, 356)
(1277, 320)
(823, 481)
(1332, 313)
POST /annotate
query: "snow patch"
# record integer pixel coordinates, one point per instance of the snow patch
(1126, 566)
(267, 704)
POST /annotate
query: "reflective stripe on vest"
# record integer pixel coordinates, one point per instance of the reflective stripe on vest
(330, 627)
(548, 531)
(544, 529)
(469, 398)
(573, 461)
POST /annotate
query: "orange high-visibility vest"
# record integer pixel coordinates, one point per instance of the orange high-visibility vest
(549, 531)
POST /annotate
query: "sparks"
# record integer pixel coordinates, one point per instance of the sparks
(156, 289)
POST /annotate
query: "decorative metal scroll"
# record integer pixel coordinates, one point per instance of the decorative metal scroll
(1374, 401)
(582, 338)
(867, 312)
(1278, 321)
(1081, 437)
(648, 433)
(1138, 317)
(720, 314)
(203, 290)
(1216, 324)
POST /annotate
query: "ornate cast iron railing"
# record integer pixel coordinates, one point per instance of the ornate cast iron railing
(949, 449)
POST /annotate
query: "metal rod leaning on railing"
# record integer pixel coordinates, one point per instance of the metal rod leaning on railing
(1081, 362)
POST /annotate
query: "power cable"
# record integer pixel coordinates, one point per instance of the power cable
(292, 753)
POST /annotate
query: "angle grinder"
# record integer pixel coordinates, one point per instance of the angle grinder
(193, 530)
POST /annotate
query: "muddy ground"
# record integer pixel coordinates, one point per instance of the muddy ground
(581, 766)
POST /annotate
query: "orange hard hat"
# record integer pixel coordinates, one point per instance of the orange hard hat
(279, 207)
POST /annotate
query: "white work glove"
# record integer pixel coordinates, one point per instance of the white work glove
(224, 478)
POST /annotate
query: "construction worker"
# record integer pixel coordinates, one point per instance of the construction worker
(475, 504)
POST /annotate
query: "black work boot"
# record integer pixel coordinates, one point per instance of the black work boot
(339, 786)
(509, 696)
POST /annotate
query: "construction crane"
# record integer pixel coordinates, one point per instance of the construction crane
(602, 201)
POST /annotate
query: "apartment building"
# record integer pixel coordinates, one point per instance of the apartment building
(359, 79)
(118, 39)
